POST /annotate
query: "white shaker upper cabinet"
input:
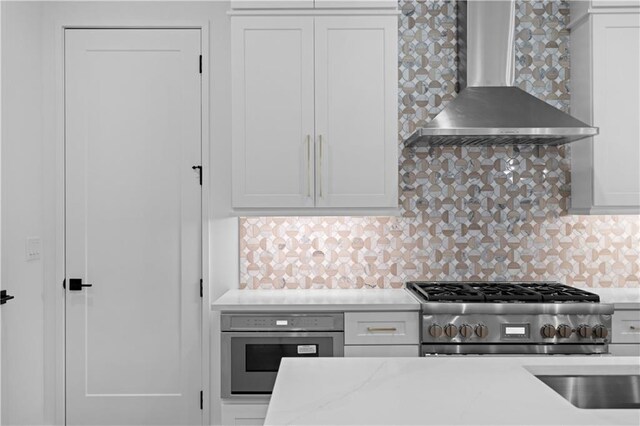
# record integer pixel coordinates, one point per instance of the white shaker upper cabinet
(616, 109)
(356, 109)
(356, 4)
(313, 4)
(605, 86)
(315, 126)
(272, 4)
(273, 120)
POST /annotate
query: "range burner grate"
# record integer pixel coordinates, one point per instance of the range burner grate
(502, 292)
(492, 292)
(555, 292)
(449, 292)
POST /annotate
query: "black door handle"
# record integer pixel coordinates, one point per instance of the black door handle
(4, 297)
(75, 284)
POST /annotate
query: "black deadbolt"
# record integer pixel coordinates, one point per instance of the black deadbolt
(75, 284)
(4, 297)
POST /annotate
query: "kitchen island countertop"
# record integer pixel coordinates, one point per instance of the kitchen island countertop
(317, 300)
(438, 390)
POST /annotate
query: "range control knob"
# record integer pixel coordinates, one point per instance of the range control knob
(435, 330)
(564, 331)
(466, 331)
(600, 331)
(584, 331)
(482, 330)
(548, 331)
(450, 330)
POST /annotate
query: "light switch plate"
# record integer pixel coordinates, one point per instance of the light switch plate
(34, 247)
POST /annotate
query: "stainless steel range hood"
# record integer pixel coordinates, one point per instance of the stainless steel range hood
(490, 110)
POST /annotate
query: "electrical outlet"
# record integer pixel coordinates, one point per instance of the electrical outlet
(34, 247)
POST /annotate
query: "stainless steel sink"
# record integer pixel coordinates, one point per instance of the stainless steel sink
(597, 391)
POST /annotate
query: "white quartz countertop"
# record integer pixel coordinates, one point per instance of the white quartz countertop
(438, 391)
(622, 298)
(317, 300)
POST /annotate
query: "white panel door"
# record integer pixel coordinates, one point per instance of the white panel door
(356, 111)
(133, 226)
(2, 346)
(616, 108)
(272, 72)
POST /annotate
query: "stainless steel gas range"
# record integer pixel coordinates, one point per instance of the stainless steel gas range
(528, 318)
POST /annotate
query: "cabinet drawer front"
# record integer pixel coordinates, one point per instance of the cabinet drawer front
(626, 327)
(378, 328)
(244, 414)
(406, 351)
(623, 350)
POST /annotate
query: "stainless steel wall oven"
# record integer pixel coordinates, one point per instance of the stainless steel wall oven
(253, 345)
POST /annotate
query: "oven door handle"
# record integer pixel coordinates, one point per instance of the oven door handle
(286, 334)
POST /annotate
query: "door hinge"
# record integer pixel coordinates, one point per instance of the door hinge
(200, 287)
(201, 400)
(199, 169)
(200, 63)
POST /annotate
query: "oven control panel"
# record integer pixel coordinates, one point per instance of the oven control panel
(516, 328)
(515, 331)
(282, 322)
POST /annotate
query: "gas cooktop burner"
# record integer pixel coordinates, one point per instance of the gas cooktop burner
(492, 292)
(554, 292)
(448, 292)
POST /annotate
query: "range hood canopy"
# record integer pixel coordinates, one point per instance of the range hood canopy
(490, 110)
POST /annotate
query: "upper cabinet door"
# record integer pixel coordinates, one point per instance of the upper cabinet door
(273, 120)
(356, 111)
(310, 4)
(616, 108)
(272, 4)
(356, 4)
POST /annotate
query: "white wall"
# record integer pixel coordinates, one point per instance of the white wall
(31, 176)
(22, 213)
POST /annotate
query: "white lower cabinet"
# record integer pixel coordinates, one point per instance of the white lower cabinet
(239, 414)
(624, 349)
(381, 334)
(625, 333)
(626, 326)
(381, 328)
(408, 351)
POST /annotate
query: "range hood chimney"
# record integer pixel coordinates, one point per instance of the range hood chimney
(489, 110)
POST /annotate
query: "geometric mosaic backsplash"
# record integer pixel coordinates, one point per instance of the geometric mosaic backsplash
(468, 213)
(354, 252)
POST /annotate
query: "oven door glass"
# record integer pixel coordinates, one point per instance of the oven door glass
(255, 357)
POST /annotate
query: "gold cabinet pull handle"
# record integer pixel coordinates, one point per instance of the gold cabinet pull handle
(309, 177)
(381, 329)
